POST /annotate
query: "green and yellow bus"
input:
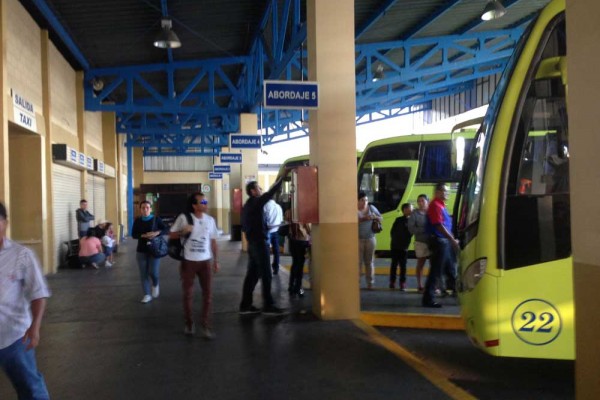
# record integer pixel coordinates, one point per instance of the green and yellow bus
(512, 213)
(397, 170)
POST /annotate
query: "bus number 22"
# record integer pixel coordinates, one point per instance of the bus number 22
(546, 318)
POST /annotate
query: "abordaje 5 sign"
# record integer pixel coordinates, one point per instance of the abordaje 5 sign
(291, 95)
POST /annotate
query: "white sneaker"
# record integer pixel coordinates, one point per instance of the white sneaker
(108, 264)
(155, 291)
(189, 330)
(208, 334)
(146, 299)
(94, 265)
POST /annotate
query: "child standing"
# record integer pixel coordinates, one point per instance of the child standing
(108, 242)
(401, 237)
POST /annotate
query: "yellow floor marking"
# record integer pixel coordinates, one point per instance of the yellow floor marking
(428, 371)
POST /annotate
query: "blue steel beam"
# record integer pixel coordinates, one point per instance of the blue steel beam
(47, 12)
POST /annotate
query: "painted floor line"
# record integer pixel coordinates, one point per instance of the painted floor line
(428, 371)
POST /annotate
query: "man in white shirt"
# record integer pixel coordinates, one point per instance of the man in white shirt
(23, 293)
(199, 259)
(273, 217)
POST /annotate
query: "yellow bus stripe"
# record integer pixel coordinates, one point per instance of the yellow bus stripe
(417, 321)
(428, 371)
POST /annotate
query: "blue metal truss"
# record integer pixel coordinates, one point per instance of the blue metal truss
(209, 102)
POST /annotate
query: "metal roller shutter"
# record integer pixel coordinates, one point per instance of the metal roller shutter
(89, 196)
(66, 193)
(99, 198)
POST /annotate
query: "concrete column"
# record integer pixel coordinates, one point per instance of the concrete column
(333, 151)
(583, 46)
(5, 102)
(109, 145)
(49, 247)
(248, 170)
(80, 104)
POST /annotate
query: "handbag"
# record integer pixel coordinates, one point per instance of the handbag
(376, 226)
(157, 246)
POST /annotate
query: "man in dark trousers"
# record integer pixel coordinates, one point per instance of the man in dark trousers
(255, 227)
(400, 240)
(441, 245)
(83, 217)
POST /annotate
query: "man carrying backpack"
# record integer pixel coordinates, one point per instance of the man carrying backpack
(198, 233)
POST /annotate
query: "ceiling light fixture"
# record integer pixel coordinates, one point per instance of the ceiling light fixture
(493, 10)
(378, 75)
(166, 38)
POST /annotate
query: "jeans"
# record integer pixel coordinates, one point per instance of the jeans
(95, 259)
(399, 256)
(258, 267)
(366, 254)
(21, 369)
(298, 250)
(148, 266)
(442, 260)
(188, 272)
(274, 242)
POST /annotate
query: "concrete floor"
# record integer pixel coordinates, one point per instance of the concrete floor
(99, 342)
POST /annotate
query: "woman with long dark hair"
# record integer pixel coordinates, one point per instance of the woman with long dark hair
(146, 227)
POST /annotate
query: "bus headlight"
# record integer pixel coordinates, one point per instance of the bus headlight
(472, 275)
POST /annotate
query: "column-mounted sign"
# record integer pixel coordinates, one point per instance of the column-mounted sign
(231, 158)
(24, 113)
(291, 95)
(89, 163)
(222, 169)
(245, 141)
(214, 176)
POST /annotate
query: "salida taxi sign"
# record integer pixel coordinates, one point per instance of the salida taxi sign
(291, 94)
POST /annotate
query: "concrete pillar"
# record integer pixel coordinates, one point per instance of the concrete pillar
(333, 151)
(5, 102)
(109, 145)
(247, 171)
(49, 247)
(583, 46)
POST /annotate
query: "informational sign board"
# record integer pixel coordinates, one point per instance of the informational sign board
(231, 158)
(245, 141)
(214, 176)
(222, 169)
(291, 95)
(24, 113)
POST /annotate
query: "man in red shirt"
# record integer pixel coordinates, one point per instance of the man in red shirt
(441, 245)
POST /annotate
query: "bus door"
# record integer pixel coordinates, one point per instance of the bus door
(388, 184)
(536, 287)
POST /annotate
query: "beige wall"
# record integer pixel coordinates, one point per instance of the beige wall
(33, 67)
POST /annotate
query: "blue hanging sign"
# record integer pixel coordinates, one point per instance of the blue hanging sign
(291, 95)
(223, 169)
(214, 176)
(231, 158)
(245, 141)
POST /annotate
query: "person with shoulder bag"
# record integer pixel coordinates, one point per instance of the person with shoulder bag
(200, 255)
(146, 228)
(367, 215)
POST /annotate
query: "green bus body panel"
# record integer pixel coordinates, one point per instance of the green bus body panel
(529, 310)
(413, 189)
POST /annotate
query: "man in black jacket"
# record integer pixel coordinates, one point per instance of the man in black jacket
(83, 217)
(254, 226)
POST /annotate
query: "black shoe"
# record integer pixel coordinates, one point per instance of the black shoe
(301, 293)
(272, 310)
(433, 304)
(249, 310)
(275, 271)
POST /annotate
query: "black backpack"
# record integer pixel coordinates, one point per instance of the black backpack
(175, 246)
